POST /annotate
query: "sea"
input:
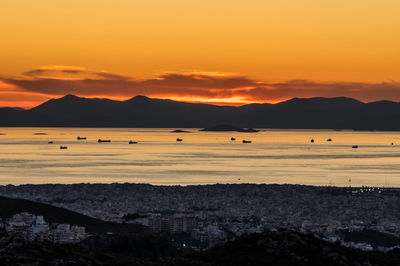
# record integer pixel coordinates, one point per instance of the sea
(273, 157)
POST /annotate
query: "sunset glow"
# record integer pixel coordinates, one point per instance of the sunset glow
(219, 52)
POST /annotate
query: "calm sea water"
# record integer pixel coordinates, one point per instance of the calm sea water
(274, 156)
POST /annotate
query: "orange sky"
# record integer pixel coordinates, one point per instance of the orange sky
(224, 52)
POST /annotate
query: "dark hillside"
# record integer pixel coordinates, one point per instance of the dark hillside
(52, 214)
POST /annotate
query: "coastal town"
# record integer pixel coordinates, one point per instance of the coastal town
(213, 214)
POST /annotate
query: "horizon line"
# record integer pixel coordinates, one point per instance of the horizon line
(212, 103)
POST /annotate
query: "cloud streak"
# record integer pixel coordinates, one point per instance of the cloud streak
(55, 69)
(195, 86)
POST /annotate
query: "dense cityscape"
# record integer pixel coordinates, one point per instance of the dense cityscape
(216, 213)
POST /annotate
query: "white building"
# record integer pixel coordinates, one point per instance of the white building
(62, 234)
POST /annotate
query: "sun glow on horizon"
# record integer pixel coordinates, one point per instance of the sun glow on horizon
(233, 101)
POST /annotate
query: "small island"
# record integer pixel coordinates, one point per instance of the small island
(225, 127)
(180, 131)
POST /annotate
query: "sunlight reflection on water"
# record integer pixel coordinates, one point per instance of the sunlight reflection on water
(274, 156)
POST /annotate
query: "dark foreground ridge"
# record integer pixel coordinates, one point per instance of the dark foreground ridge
(281, 247)
(9, 207)
(291, 248)
(140, 111)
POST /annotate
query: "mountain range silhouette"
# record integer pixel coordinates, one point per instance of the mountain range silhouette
(141, 111)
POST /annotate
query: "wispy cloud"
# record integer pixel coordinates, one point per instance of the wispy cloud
(55, 69)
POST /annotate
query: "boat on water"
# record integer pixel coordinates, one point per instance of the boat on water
(81, 138)
(232, 139)
(133, 142)
(246, 141)
(63, 147)
(178, 139)
(354, 146)
(104, 140)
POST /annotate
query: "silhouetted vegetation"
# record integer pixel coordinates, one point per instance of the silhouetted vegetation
(372, 237)
(289, 248)
(269, 248)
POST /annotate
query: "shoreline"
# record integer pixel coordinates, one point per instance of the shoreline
(201, 185)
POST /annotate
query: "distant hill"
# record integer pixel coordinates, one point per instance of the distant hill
(9, 207)
(141, 111)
